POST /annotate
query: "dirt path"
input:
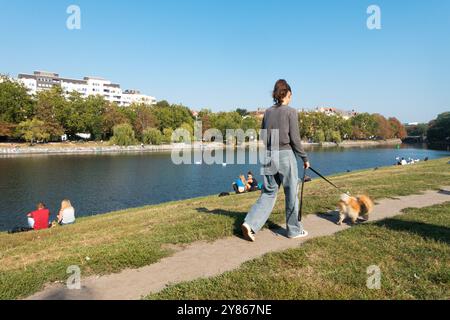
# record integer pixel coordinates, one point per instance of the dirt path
(202, 259)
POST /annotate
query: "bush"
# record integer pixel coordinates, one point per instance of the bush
(152, 136)
(123, 135)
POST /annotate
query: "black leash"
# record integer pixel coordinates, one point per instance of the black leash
(320, 175)
(300, 211)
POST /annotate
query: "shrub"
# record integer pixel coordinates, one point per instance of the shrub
(123, 135)
(152, 136)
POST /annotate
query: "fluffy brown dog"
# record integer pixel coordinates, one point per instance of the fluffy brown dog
(354, 207)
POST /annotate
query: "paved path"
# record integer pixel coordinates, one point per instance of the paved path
(202, 259)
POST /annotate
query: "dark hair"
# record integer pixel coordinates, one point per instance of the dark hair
(280, 91)
(41, 205)
(250, 173)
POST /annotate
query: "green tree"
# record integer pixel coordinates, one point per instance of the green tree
(167, 135)
(16, 105)
(242, 112)
(152, 136)
(50, 108)
(417, 130)
(123, 135)
(439, 130)
(336, 137)
(319, 136)
(143, 118)
(32, 131)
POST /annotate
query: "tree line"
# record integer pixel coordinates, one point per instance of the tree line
(436, 132)
(319, 127)
(50, 114)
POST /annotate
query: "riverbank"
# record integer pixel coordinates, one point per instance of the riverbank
(139, 237)
(104, 147)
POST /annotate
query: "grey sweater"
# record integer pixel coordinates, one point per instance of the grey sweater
(285, 119)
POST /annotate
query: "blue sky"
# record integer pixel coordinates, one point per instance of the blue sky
(224, 54)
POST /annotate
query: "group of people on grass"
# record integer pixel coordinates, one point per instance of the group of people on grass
(249, 184)
(40, 218)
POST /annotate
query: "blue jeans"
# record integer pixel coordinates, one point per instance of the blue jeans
(284, 171)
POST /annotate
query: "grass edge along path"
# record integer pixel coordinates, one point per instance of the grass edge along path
(412, 251)
(138, 237)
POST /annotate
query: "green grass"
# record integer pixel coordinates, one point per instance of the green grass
(412, 251)
(137, 237)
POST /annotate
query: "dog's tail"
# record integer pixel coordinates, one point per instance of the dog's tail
(366, 205)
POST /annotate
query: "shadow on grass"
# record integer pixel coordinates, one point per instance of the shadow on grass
(63, 293)
(239, 218)
(425, 230)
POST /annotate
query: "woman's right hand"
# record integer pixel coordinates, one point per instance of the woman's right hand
(307, 165)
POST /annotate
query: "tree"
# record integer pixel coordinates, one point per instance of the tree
(167, 135)
(384, 128)
(417, 130)
(6, 129)
(32, 131)
(144, 118)
(16, 105)
(112, 116)
(439, 130)
(364, 126)
(242, 112)
(319, 136)
(50, 108)
(398, 129)
(336, 137)
(152, 136)
(123, 135)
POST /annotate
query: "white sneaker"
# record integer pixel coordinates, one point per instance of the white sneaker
(304, 234)
(247, 233)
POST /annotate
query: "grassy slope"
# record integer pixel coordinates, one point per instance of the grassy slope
(412, 251)
(138, 237)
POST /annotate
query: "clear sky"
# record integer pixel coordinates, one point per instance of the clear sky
(224, 54)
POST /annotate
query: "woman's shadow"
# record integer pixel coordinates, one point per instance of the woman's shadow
(239, 218)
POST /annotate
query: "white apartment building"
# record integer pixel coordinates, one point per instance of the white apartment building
(112, 92)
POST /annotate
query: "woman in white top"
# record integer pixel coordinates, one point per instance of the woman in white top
(66, 214)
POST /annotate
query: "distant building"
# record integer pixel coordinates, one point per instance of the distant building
(259, 113)
(336, 112)
(89, 86)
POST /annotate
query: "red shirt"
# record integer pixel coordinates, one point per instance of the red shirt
(41, 218)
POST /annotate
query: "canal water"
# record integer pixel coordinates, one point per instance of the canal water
(102, 183)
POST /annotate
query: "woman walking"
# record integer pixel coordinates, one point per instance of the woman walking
(281, 136)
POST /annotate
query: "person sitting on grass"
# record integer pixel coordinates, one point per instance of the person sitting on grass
(66, 214)
(240, 186)
(39, 219)
(252, 183)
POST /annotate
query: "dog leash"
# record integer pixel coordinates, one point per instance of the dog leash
(331, 183)
(300, 211)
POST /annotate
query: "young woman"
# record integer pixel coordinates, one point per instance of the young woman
(66, 214)
(283, 143)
